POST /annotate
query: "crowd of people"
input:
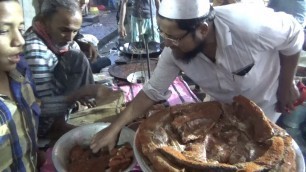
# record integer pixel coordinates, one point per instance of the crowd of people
(227, 50)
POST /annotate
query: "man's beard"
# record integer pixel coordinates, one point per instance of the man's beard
(186, 57)
(62, 45)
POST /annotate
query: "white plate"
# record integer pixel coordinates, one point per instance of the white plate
(82, 136)
(138, 77)
(103, 78)
(300, 164)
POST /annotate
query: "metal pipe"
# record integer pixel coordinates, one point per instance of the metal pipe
(151, 14)
(148, 56)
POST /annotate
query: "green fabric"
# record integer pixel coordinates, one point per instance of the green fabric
(143, 26)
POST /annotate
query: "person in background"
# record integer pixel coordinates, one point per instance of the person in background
(127, 21)
(59, 68)
(89, 45)
(111, 5)
(227, 50)
(84, 4)
(297, 8)
(141, 21)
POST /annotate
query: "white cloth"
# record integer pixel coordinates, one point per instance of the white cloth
(245, 35)
(89, 38)
(184, 9)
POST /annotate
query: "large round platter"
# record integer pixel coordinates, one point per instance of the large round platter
(215, 136)
(141, 162)
(300, 163)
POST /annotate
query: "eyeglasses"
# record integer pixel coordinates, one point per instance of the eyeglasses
(174, 41)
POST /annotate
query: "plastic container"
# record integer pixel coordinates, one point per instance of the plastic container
(295, 118)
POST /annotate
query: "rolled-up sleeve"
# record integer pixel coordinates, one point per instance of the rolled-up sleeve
(164, 74)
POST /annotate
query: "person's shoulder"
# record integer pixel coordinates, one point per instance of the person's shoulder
(30, 35)
(167, 54)
(239, 7)
(33, 43)
(38, 52)
(243, 13)
(31, 38)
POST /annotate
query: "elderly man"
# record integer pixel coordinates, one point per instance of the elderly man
(228, 51)
(58, 67)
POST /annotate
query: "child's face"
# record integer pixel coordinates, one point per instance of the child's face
(11, 40)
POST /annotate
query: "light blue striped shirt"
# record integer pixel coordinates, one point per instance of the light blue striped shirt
(42, 62)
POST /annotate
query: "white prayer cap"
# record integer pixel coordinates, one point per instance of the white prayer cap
(184, 9)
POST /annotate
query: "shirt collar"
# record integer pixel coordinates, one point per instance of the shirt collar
(17, 76)
(223, 32)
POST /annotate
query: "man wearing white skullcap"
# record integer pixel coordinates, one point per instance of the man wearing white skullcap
(231, 50)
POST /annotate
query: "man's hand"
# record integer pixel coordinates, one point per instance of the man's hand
(122, 31)
(89, 50)
(88, 92)
(107, 136)
(88, 102)
(287, 92)
(287, 98)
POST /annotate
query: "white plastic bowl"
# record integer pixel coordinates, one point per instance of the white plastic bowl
(82, 136)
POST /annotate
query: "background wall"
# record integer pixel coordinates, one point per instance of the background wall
(30, 7)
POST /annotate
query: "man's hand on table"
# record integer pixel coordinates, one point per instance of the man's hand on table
(90, 95)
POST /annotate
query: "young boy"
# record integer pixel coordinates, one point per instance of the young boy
(18, 107)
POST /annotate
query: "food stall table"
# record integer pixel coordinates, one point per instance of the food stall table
(181, 93)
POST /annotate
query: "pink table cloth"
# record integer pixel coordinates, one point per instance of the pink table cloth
(181, 92)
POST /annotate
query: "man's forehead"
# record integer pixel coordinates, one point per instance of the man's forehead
(169, 26)
(162, 22)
